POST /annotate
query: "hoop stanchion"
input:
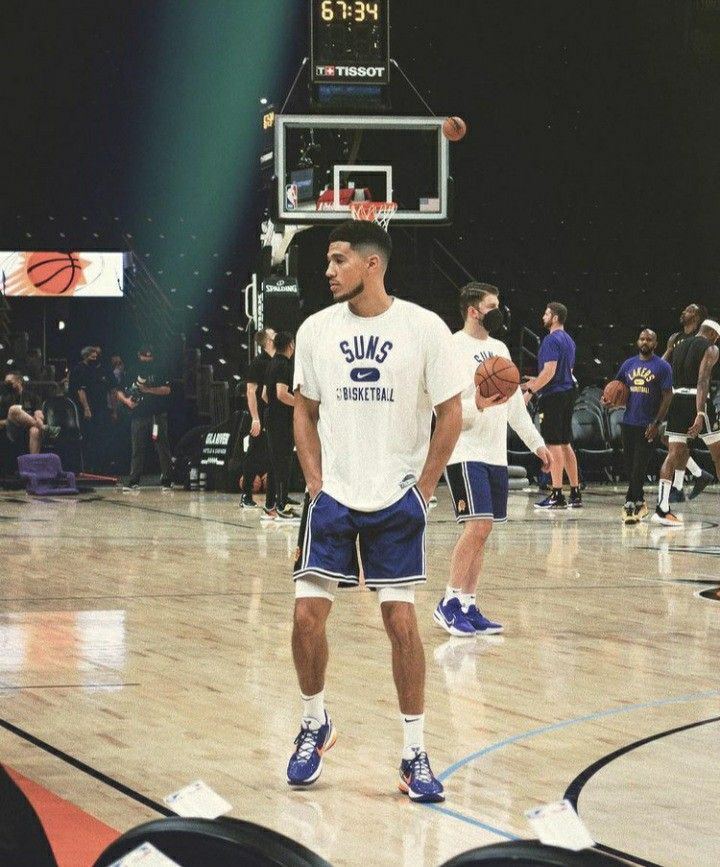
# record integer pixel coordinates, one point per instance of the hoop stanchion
(379, 212)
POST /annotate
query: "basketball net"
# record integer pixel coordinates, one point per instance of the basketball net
(379, 212)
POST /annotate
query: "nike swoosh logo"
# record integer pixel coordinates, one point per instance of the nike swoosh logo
(364, 375)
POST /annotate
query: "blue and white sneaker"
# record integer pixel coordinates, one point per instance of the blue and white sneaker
(554, 501)
(450, 617)
(418, 781)
(481, 624)
(306, 762)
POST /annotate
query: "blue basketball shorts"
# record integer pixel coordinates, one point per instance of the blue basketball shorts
(478, 491)
(391, 542)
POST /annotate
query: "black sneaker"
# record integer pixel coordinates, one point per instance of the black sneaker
(678, 496)
(248, 503)
(165, 483)
(131, 485)
(700, 483)
(575, 501)
(291, 502)
(287, 516)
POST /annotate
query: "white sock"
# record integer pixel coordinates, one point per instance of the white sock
(664, 487)
(678, 480)
(467, 599)
(452, 592)
(413, 732)
(693, 468)
(314, 709)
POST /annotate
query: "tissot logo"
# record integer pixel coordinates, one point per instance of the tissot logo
(350, 71)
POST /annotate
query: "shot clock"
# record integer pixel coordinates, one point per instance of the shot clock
(349, 41)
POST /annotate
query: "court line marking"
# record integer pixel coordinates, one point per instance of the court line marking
(552, 727)
(4, 688)
(86, 769)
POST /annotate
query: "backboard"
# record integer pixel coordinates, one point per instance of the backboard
(323, 162)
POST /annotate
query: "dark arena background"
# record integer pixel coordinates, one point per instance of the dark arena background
(145, 633)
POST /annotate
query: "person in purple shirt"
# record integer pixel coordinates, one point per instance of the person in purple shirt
(649, 379)
(555, 386)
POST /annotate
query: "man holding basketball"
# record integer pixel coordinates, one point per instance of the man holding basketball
(555, 386)
(369, 371)
(648, 379)
(477, 473)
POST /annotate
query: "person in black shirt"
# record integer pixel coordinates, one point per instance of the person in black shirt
(691, 413)
(690, 319)
(147, 397)
(256, 459)
(280, 419)
(90, 387)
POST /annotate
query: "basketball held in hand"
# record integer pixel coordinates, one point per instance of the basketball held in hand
(616, 393)
(497, 375)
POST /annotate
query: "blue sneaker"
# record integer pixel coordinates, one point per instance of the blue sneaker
(481, 624)
(418, 781)
(306, 762)
(450, 617)
(554, 501)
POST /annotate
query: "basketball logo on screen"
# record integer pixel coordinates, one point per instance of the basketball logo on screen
(55, 273)
(62, 274)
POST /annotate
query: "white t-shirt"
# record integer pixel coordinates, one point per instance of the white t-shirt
(377, 379)
(484, 434)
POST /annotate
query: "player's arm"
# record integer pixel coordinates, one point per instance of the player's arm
(670, 346)
(448, 423)
(284, 395)
(82, 397)
(251, 394)
(520, 421)
(307, 440)
(652, 429)
(542, 379)
(709, 360)
(157, 390)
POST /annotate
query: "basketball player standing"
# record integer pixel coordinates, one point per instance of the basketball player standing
(691, 413)
(368, 372)
(477, 473)
(556, 388)
(690, 319)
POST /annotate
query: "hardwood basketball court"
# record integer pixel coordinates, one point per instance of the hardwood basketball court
(146, 644)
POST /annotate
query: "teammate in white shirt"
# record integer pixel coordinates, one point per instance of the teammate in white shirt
(369, 371)
(477, 473)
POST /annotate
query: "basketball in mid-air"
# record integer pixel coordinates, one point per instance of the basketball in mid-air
(497, 375)
(53, 273)
(454, 128)
(616, 393)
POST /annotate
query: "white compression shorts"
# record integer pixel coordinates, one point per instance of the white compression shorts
(317, 586)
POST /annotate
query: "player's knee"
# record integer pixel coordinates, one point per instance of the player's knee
(15, 413)
(310, 616)
(478, 531)
(400, 622)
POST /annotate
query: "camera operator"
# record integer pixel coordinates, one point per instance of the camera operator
(147, 399)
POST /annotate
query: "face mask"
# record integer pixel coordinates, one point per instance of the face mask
(494, 322)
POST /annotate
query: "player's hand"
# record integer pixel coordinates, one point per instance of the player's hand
(314, 488)
(486, 402)
(255, 428)
(544, 454)
(696, 426)
(651, 431)
(527, 397)
(425, 492)
(87, 414)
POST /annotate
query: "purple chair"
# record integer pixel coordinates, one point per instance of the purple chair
(43, 475)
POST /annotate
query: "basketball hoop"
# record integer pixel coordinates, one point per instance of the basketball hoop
(379, 212)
